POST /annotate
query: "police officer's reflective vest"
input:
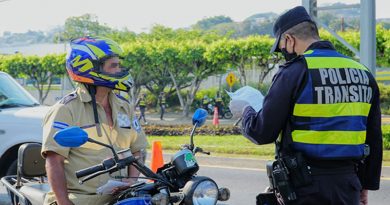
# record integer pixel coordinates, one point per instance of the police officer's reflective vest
(330, 115)
(162, 100)
(205, 101)
(218, 99)
(142, 102)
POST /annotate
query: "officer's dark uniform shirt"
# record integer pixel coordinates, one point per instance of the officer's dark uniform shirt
(265, 126)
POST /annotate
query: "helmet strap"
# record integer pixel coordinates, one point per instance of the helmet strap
(92, 92)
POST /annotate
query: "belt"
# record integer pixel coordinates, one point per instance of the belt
(350, 169)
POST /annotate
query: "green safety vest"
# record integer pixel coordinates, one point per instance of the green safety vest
(142, 102)
(163, 101)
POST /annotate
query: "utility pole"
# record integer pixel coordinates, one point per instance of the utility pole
(367, 53)
(368, 34)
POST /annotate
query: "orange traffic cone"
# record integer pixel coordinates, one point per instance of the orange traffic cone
(157, 160)
(216, 118)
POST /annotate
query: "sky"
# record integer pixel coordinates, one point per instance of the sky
(140, 15)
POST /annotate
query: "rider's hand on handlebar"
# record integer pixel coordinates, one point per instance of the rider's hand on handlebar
(117, 190)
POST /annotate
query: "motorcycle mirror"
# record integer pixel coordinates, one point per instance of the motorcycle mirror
(199, 117)
(71, 137)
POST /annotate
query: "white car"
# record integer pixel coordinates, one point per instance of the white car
(20, 121)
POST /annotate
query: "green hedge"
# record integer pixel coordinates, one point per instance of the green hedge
(386, 141)
(384, 98)
(176, 130)
(386, 136)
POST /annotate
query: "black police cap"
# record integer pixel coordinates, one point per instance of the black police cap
(287, 20)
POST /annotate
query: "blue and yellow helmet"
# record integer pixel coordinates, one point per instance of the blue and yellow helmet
(85, 59)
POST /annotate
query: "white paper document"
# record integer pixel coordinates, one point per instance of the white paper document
(109, 186)
(250, 95)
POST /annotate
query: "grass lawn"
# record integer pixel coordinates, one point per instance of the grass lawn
(230, 145)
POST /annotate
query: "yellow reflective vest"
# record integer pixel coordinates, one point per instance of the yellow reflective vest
(330, 114)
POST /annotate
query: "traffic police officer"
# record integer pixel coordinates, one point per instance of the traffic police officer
(142, 106)
(93, 106)
(163, 103)
(325, 106)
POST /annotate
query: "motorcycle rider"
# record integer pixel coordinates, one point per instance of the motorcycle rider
(94, 63)
(205, 102)
(325, 107)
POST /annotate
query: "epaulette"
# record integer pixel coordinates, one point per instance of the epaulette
(66, 99)
(122, 97)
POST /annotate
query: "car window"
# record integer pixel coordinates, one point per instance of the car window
(14, 95)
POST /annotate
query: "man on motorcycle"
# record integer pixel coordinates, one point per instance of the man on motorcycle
(205, 102)
(94, 63)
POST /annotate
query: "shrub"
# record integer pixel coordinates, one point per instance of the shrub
(386, 136)
(384, 98)
(386, 141)
(157, 130)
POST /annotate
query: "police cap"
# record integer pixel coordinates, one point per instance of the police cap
(286, 21)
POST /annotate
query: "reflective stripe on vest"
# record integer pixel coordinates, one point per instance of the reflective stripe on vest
(330, 115)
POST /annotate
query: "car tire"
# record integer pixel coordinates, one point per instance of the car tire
(12, 169)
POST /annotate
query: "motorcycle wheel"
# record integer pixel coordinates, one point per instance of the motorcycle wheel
(228, 115)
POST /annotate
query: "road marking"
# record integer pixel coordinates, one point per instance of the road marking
(240, 168)
(262, 170)
(256, 169)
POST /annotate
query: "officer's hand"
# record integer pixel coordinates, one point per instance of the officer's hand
(364, 197)
(237, 107)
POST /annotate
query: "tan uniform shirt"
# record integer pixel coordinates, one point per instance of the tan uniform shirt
(76, 110)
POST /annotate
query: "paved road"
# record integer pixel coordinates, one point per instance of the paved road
(245, 183)
(246, 178)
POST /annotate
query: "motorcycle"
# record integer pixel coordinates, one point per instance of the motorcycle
(226, 113)
(175, 182)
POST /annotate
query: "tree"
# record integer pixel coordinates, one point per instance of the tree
(196, 68)
(208, 23)
(136, 58)
(79, 26)
(40, 70)
(259, 48)
(122, 36)
(243, 53)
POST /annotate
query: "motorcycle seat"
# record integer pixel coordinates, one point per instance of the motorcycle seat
(35, 192)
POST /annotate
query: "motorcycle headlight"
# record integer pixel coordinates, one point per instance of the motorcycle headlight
(201, 191)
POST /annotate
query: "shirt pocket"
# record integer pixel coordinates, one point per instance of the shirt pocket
(123, 137)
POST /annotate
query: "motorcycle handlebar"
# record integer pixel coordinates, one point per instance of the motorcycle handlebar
(105, 165)
(89, 170)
